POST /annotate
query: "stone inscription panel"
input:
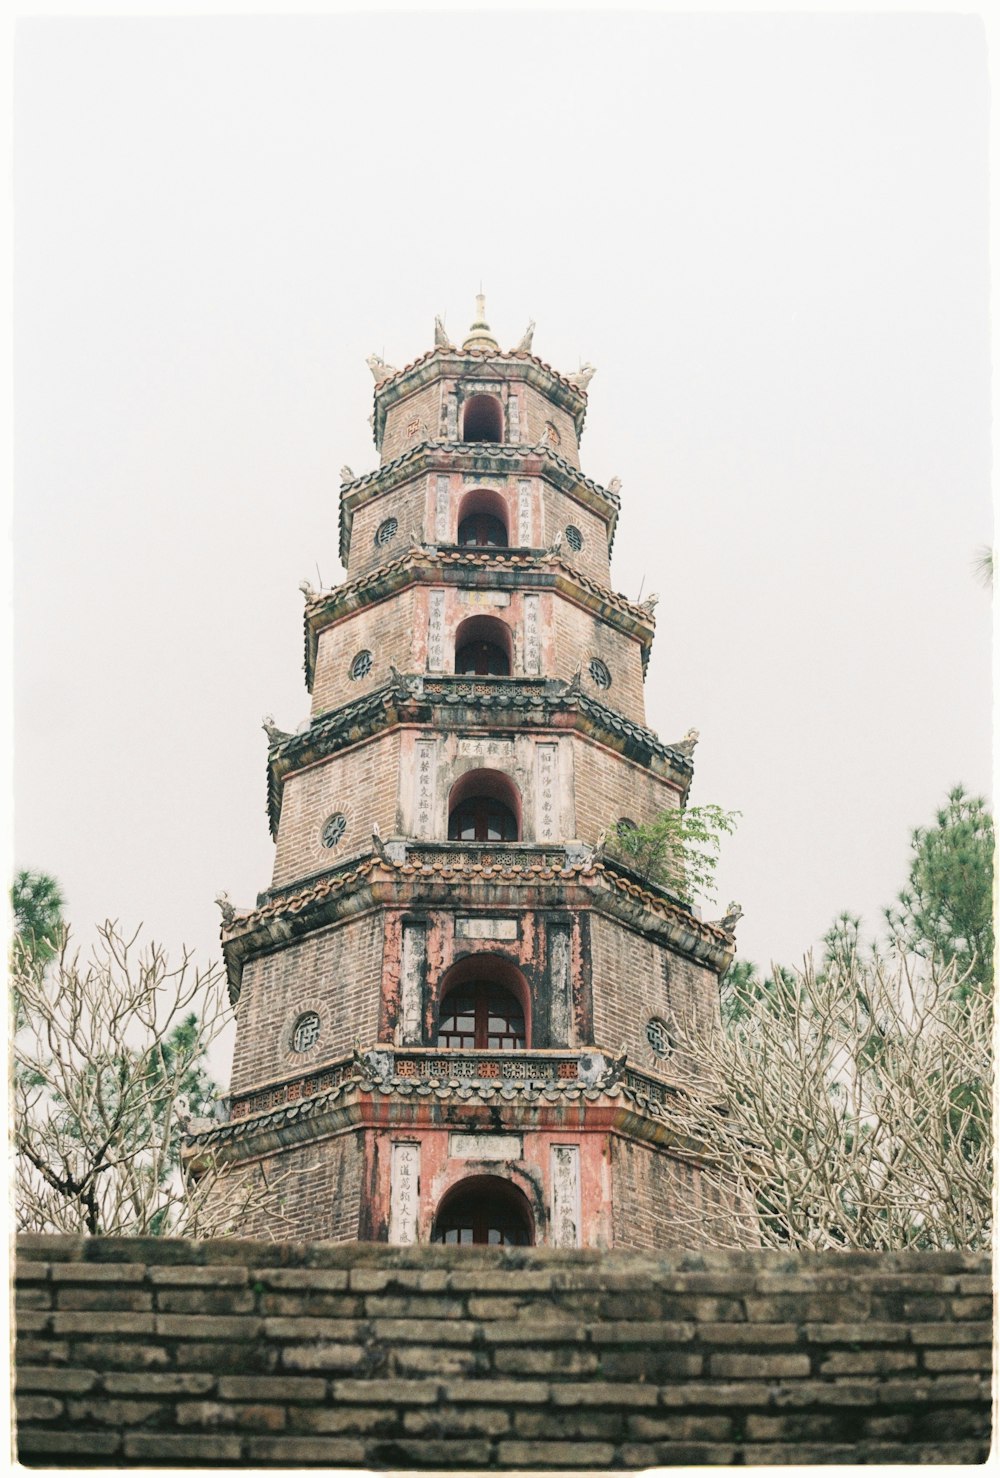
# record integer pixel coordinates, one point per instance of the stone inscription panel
(560, 1013)
(532, 645)
(546, 790)
(524, 512)
(485, 597)
(486, 1146)
(565, 1195)
(426, 786)
(411, 984)
(442, 511)
(435, 631)
(404, 1193)
(482, 748)
(486, 928)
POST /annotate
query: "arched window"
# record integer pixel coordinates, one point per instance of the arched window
(483, 646)
(482, 819)
(484, 1211)
(484, 1003)
(483, 419)
(481, 1013)
(482, 520)
(483, 531)
(484, 806)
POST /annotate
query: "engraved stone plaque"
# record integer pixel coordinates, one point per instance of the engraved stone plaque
(485, 597)
(532, 649)
(565, 1195)
(524, 512)
(486, 1146)
(411, 983)
(483, 748)
(486, 928)
(426, 786)
(513, 420)
(442, 511)
(404, 1193)
(546, 808)
(560, 1017)
(435, 632)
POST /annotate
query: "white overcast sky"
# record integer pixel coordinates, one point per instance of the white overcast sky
(769, 233)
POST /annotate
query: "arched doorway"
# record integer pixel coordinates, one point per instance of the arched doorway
(484, 1211)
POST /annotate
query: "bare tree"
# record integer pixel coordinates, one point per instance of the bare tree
(108, 1074)
(848, 1107)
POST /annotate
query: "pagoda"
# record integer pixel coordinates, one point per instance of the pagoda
(457, 1009)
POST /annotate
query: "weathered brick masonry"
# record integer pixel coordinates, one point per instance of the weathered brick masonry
(171, 1353)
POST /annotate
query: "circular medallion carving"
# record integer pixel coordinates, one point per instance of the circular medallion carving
(361, 666)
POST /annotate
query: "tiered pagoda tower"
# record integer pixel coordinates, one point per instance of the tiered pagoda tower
(456, 1009)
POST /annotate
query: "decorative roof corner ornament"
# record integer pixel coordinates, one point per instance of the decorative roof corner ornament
(401, 684)
(372, 1067)
(480, 334)
(614, 1070)
(308, 590)
(649, 604)
(524, 342)
(575, 684)
(441, 339)
(615, 486)
(379, 844)
(226, 909)
(687, 744)
(545, 440)
(582, 377)
(556, 546)
(380, 370)
(730, 919)
(274, 734)
(346, 474)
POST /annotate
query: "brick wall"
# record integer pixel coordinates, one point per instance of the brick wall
(635, 978)
(558, 510)
(609, 787)
(360, 784)
(336, 973)
(387, 630)
(580, 636)
(411, 420)
(407, 505)
(241, 1353)
(536, 409)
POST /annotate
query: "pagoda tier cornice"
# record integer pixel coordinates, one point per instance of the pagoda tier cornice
(414, 874)
(486, 458)
(373, 1093)
(457, 364)
(496, 569)
(453, 702)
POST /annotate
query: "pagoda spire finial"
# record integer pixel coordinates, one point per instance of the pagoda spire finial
(480, 334)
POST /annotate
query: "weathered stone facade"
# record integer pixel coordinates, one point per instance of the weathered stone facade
(449, 992)
(146, 1351)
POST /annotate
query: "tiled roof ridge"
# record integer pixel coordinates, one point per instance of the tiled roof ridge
(536, 873)
(504, 449)
(418, 554)
(450, 1090)
(521, 355)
